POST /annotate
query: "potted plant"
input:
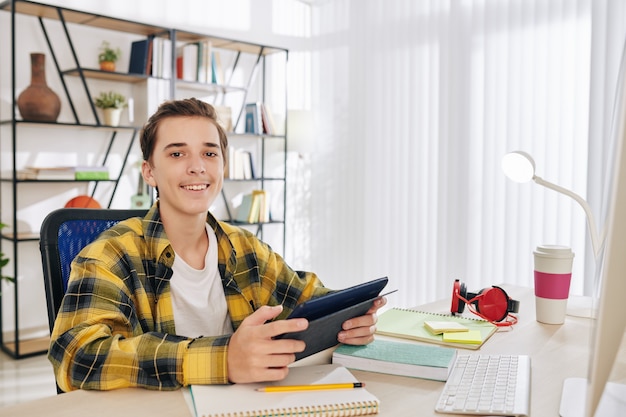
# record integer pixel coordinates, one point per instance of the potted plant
(3, 262)
(108, 56)
(112, 104)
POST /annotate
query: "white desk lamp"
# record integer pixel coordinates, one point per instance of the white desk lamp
(520, 167)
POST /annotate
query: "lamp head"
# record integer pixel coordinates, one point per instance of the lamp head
(518, 166)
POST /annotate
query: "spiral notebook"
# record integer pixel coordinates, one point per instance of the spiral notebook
(244, 399)
(409, 324)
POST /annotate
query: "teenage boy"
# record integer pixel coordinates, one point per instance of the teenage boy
(179, 298)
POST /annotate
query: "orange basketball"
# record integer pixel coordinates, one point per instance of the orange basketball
(83, 201)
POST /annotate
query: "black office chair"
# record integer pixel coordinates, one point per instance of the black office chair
(64, 232)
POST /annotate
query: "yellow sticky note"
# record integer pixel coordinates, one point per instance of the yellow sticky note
(439, 327)
(469, 337)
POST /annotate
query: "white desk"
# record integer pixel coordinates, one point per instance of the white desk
(557, 352)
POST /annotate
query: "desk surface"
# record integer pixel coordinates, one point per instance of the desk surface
(557, 352)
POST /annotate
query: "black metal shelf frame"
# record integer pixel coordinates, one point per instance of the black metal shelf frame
(44, 12)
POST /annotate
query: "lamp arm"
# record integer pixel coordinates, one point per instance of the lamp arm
(595, 242)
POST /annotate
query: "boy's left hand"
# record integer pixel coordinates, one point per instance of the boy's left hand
(360, 330)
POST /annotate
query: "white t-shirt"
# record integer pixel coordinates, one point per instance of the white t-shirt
(198, 296)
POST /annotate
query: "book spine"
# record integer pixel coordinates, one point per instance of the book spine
(138, 57)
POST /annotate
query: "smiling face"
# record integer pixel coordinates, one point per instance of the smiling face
(187, 165)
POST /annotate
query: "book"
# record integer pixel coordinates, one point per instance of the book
(253, 121)
(190, 61)
(224, 117)
(91, 173)
(244, 399)
(269, 125)
(245, 212)
(156, 57)
(138, 62)
(440, 327)
(166, 59)
(148, 69)
(47, 173)
(409, 324)
(398, 358)
(240, 164)
(263, 198)
(22, 174)
(218, 76)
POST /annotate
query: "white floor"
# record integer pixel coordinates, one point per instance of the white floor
(24, 380)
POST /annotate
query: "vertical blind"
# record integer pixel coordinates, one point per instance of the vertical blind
(414, 104)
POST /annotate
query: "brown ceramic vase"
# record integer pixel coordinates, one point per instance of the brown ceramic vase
(38, 102)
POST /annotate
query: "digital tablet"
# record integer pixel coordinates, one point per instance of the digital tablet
(326, 314)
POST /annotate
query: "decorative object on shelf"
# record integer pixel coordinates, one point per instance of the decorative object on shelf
(108, 56)
(112, 104)
(225, 117)
(3, 262)
(83, 201)
(38, 102)
(142, 199)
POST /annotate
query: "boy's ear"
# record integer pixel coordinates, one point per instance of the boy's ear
(146, 171)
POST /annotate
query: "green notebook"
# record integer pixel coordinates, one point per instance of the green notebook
(409, 324)
(398, 358)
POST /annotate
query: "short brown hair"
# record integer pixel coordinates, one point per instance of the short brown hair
(188, 107)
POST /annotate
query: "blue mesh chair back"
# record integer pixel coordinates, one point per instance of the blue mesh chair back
(64, 232)
(73, 235)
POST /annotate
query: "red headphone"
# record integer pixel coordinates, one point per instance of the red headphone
(492, 304)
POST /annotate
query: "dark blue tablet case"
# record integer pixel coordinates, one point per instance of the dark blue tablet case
(326, 314)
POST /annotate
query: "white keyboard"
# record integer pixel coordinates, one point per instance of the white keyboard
(487, 385)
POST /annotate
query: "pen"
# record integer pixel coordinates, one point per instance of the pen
(287, 388)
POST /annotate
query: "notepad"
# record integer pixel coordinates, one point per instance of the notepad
(409, 324)
(244, 399)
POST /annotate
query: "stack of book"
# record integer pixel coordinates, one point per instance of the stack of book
(195, 61)
(259, 119)
(240, 165)
(85, 173)
(199, 62)
(151, 56)
(254, 208)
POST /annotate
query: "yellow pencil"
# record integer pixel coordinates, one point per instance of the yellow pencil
(286, 388)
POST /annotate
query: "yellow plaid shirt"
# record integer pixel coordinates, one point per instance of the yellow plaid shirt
(115, 327)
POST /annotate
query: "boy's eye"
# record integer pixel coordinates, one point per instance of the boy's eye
(176, 154)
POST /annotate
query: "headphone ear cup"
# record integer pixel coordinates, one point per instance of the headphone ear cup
(458, 288)
(493, 304)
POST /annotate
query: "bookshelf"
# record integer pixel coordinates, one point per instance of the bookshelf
(244, 78)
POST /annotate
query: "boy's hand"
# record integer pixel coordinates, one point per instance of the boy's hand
(360, 330)
(253, 354)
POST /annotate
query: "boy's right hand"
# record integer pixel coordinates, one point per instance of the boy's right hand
(253, 353)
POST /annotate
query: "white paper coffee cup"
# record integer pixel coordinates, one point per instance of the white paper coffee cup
(553, 274)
